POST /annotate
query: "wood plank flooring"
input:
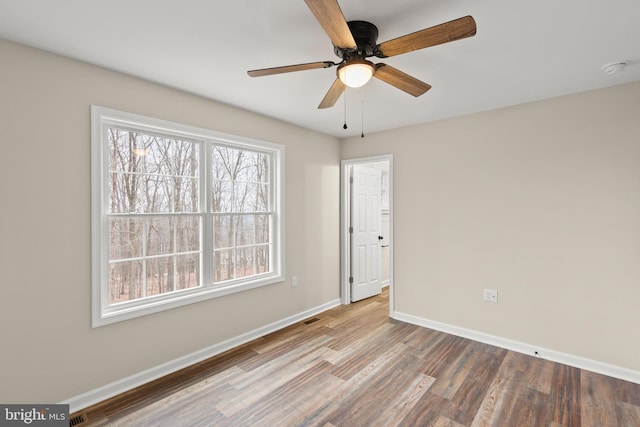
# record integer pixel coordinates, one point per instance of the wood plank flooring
(355, 366)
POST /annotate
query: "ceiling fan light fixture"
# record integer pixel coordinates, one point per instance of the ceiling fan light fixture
(356, 72)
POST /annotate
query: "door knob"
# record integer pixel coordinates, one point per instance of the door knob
(380, 237)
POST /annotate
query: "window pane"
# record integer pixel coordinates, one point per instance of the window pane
(126, 162)
(222, 231)
(221, 196)
(160, 275)
(262, 259)
(186, 194)
(125, 193)
(187, 271)
(225, 162)
(262, 168)
(256, 166)
(185, 158)
(155, 155)
(125, 281)
(262, 198)
(223, 265)
(188, 234)
(240, 180)
(160, 236)
(185, 170)
(245, 230)
(125, 238)
(262, 224)
(126, 151)
(172, 273)
(155, 193)
(245, 262)
(244, 197)
(152, 174)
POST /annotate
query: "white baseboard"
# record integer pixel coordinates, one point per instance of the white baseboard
(92, 397)
(555, 356)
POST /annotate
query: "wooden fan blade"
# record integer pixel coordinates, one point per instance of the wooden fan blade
(332, 95)
(290, 68)
(449, 31)
(401, 80)
(329, 15)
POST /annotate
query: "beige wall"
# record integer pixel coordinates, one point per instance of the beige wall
(48, 351)
(539, 201)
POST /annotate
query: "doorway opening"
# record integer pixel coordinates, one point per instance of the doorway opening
(384, 165)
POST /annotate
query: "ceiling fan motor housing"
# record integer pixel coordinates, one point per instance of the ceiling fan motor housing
(365, 35)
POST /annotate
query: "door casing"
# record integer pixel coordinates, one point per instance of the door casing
(345, 288)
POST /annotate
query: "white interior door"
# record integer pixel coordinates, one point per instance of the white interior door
(365, 232)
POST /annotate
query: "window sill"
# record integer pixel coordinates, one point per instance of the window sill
(126, 311)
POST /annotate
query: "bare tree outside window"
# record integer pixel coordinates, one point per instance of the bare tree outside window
(242, 214)
(155, 224)
(154, 236)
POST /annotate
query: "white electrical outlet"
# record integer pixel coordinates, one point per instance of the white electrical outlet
(294, 281)
(491, 295)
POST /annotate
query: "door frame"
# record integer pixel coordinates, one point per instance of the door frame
(345, 249)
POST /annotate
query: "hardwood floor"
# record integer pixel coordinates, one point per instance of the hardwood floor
(354, 366)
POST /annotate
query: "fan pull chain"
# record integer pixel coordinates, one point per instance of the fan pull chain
(345, 110)
(362, 117)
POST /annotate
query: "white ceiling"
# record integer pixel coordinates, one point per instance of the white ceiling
(523, 51)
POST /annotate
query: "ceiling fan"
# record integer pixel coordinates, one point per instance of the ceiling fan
(355, 41)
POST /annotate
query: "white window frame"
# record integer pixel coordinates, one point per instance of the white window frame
(101, 119)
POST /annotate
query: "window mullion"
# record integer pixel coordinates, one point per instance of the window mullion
(207, 258)
(145, 233)
(174, 251)
(234, 230)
